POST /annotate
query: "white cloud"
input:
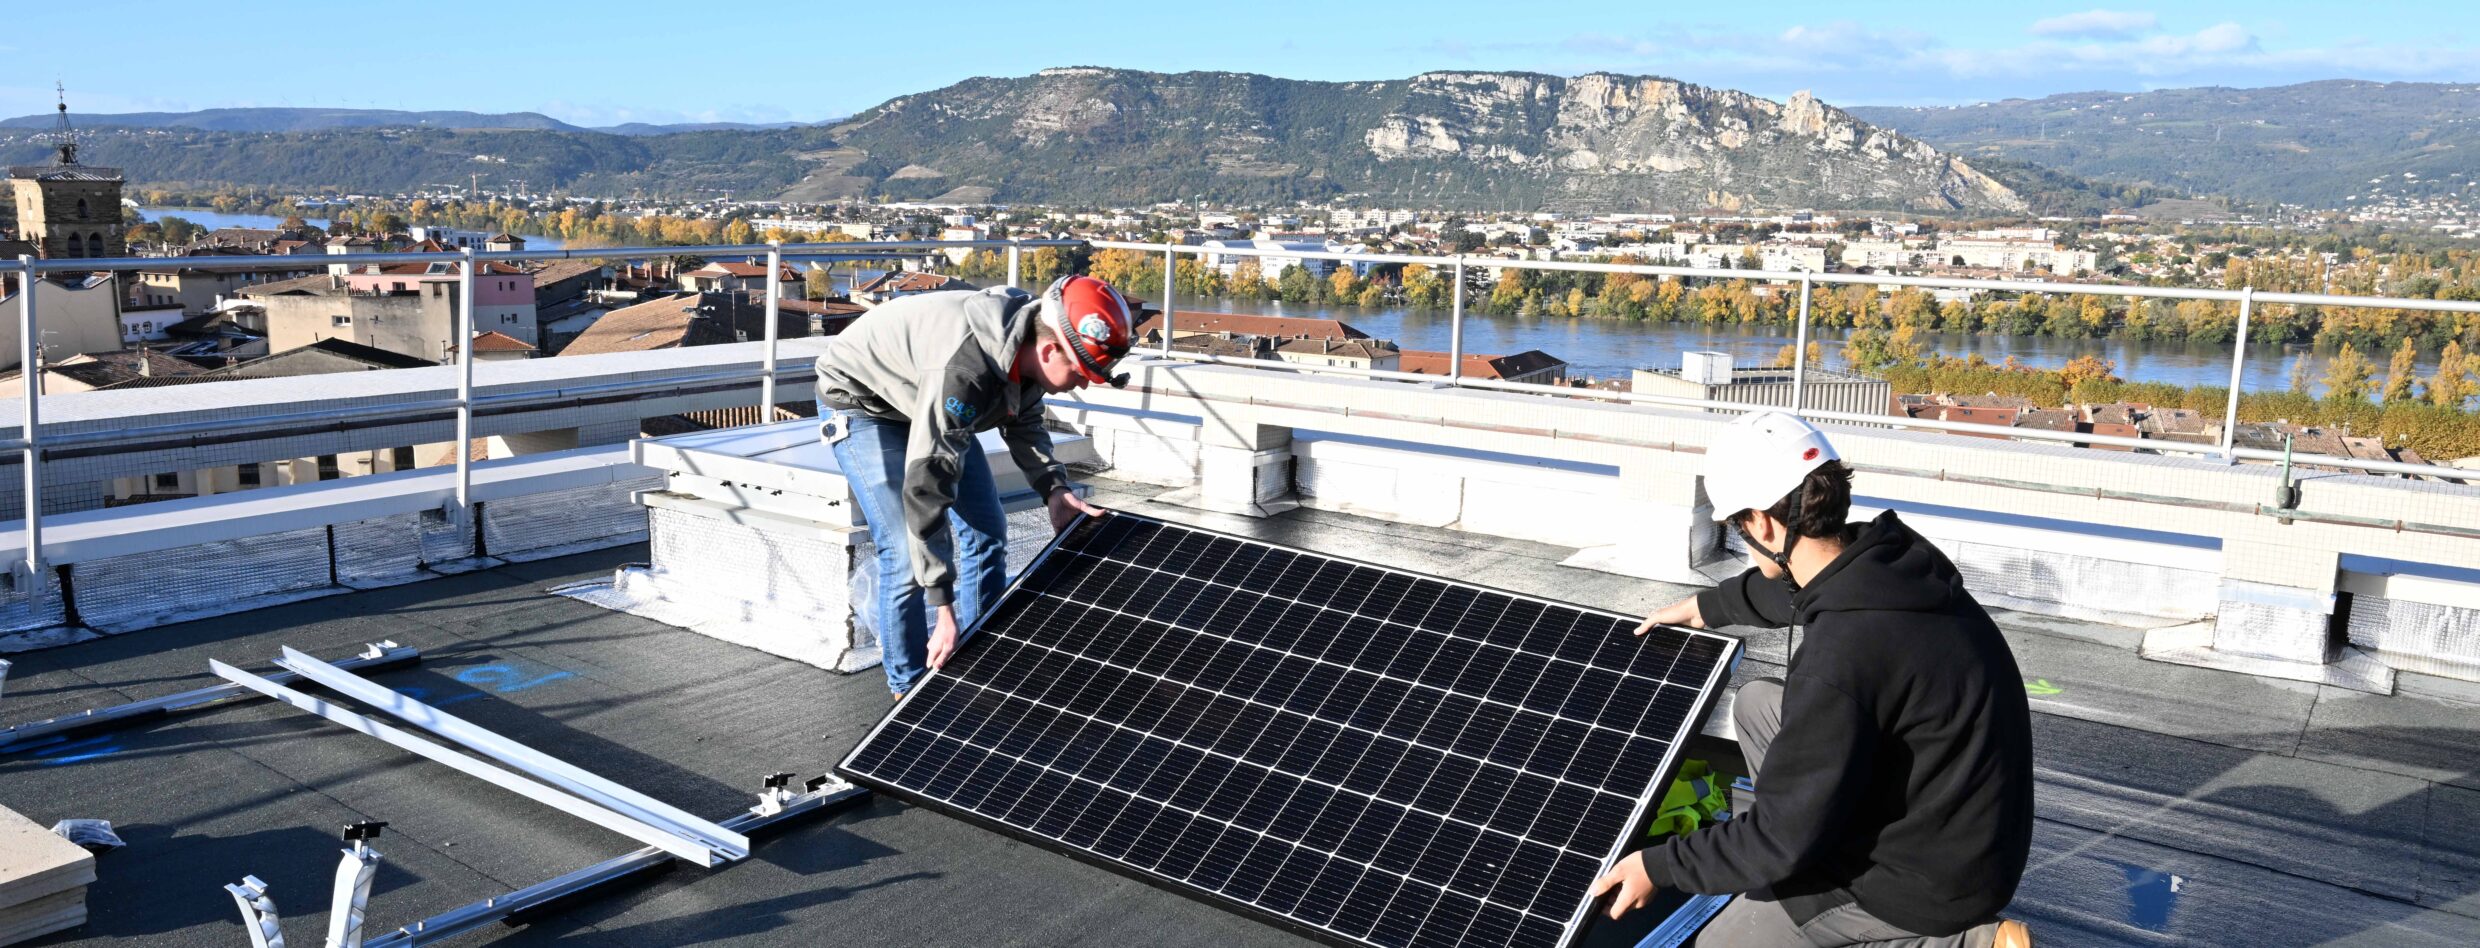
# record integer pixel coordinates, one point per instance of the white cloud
(2099, 24)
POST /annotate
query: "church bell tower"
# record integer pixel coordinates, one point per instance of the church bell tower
(67, 209)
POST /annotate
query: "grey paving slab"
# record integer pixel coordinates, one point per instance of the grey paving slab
(889, 874)
(2149, 771)
(506, 837)
(2114, 686)
(2088, 888)
(197, 814)
(2450, 858)
(2434, 740)
(166, 886)
(593, 564)
(2340, 825)
(2099, 633)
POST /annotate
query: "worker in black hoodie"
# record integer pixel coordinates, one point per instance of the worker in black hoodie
(1893, 761)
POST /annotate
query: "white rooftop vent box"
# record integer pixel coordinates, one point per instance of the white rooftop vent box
(1705, 368)
(756, 540)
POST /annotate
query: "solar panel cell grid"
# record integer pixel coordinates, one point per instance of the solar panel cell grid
(1373, 756)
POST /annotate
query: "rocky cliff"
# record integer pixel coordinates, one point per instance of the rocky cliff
(1472, 140)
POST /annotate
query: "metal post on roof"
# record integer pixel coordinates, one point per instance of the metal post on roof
(1799, 350)
(774, 302)
(1171, 273)
(2238, 362)
(465, 384)
(1016, 263)
(30, 387)
(1455, 326)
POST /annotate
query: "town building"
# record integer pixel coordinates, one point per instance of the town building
(145, 324)
(80, 313)
(1531, 366)
(503, 293)
(688, 319)
(498, 347)
(89, 372)
(897, 284)
(1713, 376)
(1185, 324)
(1366, 354)
(69, 209)
(194, 289)
(745, 277)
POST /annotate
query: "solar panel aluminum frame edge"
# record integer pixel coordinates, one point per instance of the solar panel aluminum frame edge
(1642, 818)
(1638, 821)
(843, 768)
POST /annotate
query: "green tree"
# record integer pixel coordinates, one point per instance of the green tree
(1296, 285)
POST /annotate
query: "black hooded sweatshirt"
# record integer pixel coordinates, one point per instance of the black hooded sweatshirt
(1902, 777)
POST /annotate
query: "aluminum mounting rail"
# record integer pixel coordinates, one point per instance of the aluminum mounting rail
(826, 794)
(536, 764)
(658, 837)
(380, 656)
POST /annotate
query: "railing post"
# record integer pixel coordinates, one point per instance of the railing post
(774, 303)
(465, 384)
(1171, 275)
(2238, 362)
(1799, 351)
(1016, 264)
(1455, 327)
(30, 383)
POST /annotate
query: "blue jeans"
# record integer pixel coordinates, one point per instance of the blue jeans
(872, 458)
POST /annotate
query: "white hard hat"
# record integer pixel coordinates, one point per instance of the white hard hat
(1760, 459)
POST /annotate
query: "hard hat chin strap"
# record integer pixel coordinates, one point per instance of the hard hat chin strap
(1791, 539)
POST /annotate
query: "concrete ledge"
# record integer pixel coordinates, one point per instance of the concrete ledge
(148, 528)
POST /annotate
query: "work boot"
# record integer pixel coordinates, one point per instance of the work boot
(2012, 934)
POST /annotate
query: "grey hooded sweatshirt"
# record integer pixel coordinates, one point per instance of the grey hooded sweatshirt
(943, 363)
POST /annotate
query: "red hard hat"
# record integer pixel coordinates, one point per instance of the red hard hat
(1093, 320)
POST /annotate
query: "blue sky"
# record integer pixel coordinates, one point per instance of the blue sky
(629, 60)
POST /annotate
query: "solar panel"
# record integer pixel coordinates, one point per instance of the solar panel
(1362, 754)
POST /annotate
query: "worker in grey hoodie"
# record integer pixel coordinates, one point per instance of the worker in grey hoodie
(905, 389)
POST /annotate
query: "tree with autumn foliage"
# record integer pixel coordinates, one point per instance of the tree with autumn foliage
(2452, 385)
(1782, 356)
(2088, 368)
(2349, 375)
(2400, 372)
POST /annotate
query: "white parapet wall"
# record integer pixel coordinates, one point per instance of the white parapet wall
(2146, 541)
(136, 567)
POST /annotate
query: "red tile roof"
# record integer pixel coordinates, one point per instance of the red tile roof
(1480, 366)
(913, 281)
(668, 323)
(746, 271)
(1185, 322)
(496, 341)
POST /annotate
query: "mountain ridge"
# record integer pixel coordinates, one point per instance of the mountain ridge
(306, 119)
(2314, 143)
(1454, 139)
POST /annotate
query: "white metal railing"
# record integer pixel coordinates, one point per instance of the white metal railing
(2226, 448)
(31, 442)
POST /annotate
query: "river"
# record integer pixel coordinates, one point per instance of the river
(1607, 348)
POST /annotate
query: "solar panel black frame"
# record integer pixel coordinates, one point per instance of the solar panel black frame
(1581, 916)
